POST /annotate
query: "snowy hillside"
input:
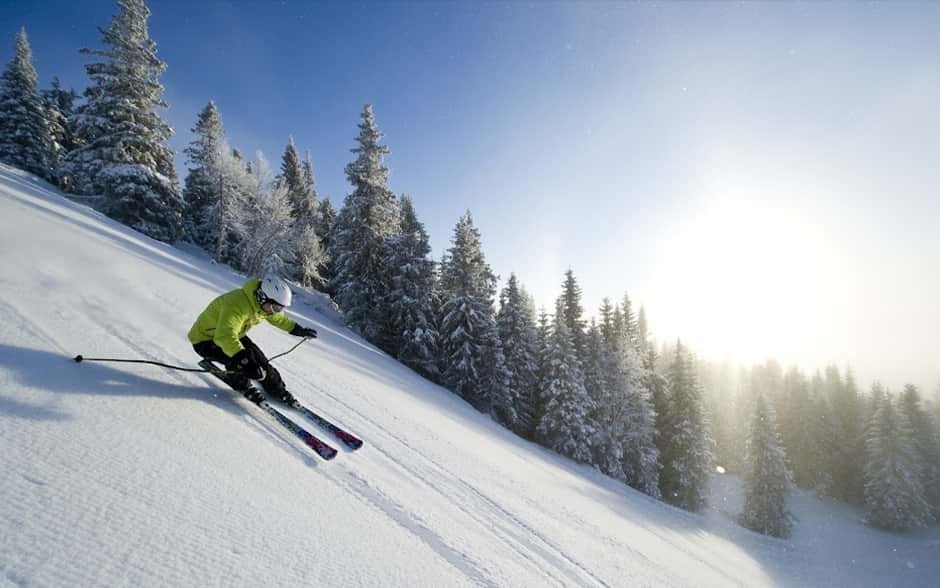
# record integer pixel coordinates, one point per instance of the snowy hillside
(129, 475)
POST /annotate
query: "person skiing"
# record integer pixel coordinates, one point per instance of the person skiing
(219, 335)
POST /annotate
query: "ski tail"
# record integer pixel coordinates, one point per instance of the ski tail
(348, 439)
(321, 448)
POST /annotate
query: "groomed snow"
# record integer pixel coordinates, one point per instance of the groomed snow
(129, 475)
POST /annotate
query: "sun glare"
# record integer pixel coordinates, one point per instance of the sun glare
(742, 279)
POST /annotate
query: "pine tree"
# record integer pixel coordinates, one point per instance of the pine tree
(767, 479)
(60, 111)
(323, 224)
(926, 444)
(640, 453)
(600, 379)
(848, 462)
(499, 399)
(204, 184)
(270, 237)
(369, 216)
(630, 328)
(795, 428)
(310, 190)
(685, 444)
(416, 340)
(573, 313)
(894, 492)
(625, 420)
(310, 256)
(25, 138)
(123, 154)
(543, 349)
(642, 331)
(657, 386)
(298, 180)
(517, 334)
(824, 437)
(565, 427)
(468, 287)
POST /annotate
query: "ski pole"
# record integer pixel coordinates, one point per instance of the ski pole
(81, 358)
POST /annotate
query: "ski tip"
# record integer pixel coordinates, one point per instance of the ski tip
(78, 359)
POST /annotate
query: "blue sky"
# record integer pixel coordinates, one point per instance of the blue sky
(762, 177)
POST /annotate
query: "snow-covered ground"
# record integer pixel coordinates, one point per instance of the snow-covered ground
(129, 475)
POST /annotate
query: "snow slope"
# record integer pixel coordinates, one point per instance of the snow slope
(128, 475)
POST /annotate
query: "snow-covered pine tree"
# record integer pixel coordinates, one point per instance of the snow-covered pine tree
(369, 216)
(204, 184)
(238, 207)
(847, 473)
(500, 400)
(415, 336)
(766, 479)
(326, 217)
(894, 492)
(323, 224)
(926, 444)
(624, 414)
(123, 154)
(298, 179)
(309, 256)
(60, 110)
(642, 331)
(629, 321)
(566, 425)
(640, 454)
(301, 188)
(686, 446)
(657, 385)
(468, 287)
(795, 428)
(573, 313)
(269, 244)
(219, 190)
(602, 382)
(824, 437)
(543, 349)
(517, 334)
(312, 255)
(437, 322)
(26, 141)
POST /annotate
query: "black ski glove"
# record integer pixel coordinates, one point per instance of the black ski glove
(246, 364)
(304, 332)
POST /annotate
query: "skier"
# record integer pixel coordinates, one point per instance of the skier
(219, 335)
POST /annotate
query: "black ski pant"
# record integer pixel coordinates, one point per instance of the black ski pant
(272, 382)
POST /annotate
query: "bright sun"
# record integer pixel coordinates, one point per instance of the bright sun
(743, 279)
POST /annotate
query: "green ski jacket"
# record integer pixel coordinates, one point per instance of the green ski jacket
(229, 316)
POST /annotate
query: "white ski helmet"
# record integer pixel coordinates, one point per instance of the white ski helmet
(274, 289)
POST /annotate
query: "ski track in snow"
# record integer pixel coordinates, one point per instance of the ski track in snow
(541, 554)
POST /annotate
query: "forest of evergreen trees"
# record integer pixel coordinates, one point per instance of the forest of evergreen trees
(599, 391)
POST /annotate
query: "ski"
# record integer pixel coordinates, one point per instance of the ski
(322, 449)
(350, 440)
